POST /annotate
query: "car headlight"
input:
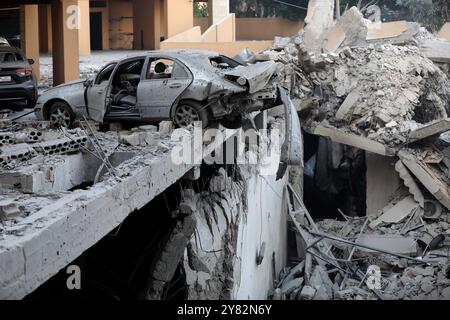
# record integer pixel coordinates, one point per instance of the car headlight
(242, 81)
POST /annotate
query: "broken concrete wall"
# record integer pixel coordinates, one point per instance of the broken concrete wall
(262, 239)
(241, 228)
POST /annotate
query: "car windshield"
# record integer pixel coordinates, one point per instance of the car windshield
(223, 62)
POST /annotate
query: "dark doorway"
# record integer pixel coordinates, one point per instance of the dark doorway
(96, 30)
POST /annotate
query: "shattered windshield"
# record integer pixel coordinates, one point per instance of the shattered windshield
(223, 62)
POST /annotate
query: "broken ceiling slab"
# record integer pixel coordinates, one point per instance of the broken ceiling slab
(436, 50)
(427, 177)
(385, 30)
(8, 210)
(397, 213)
(352, 140)
(431, 129)
(392, 243)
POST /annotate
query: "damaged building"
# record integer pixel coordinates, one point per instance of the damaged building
(339, 190)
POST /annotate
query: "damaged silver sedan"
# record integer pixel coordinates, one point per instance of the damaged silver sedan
(184, 86)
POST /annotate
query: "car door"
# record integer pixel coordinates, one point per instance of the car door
(157, 92)
(98, 92)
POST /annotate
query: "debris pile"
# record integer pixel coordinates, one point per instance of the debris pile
(381, 88)
(382, 93)
(401, 253)
(23, 144)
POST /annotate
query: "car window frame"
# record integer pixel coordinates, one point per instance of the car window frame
(103, 69)
(175, 61)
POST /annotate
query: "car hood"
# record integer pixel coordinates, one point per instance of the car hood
(70, 83)
(257, 75)
(72, 86)
(65, 91)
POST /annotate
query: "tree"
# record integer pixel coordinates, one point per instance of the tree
(288, 9)
(432, 14)
(200, 9)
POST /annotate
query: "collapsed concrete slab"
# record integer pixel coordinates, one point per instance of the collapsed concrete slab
(54, 229)
(437, 50)
(353, 140)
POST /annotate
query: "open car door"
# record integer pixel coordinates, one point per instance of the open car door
(98, 92)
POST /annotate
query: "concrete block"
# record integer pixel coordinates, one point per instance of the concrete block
(166, 127)
(344, 111)
(307, 293)
(9, 210)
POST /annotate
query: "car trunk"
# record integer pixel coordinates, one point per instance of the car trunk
(9, 75)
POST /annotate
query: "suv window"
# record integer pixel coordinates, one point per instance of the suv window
(7, 57)
(165, 69)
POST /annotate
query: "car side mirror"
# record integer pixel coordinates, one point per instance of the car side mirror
(31, 61)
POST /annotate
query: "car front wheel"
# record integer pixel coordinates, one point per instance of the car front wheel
(60, 115)
(188, 112)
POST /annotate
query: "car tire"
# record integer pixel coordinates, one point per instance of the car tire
(232, 121)
(60, 114)
(188, 111)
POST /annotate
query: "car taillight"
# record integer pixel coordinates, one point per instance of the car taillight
(23, 72)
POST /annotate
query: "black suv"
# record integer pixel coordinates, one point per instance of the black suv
(17, 81)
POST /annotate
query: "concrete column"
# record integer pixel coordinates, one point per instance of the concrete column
(65, 24)
(210, 12)
(179, 15)
(147, 24)
(319, 19)
(218, 10)
(45, 28)
(84, 37)
(29, 30)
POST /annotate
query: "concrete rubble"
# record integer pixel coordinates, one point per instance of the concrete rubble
(378, 89)
(63, 192)
(375, 96)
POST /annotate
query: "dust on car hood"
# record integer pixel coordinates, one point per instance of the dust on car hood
(257, 75)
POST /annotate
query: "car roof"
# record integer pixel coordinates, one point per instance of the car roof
(184, 53)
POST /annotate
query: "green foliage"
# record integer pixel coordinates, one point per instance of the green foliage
(200, 10)
(269, 8)
(430, 13)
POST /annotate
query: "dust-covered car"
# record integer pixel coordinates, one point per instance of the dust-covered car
(182, 85)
